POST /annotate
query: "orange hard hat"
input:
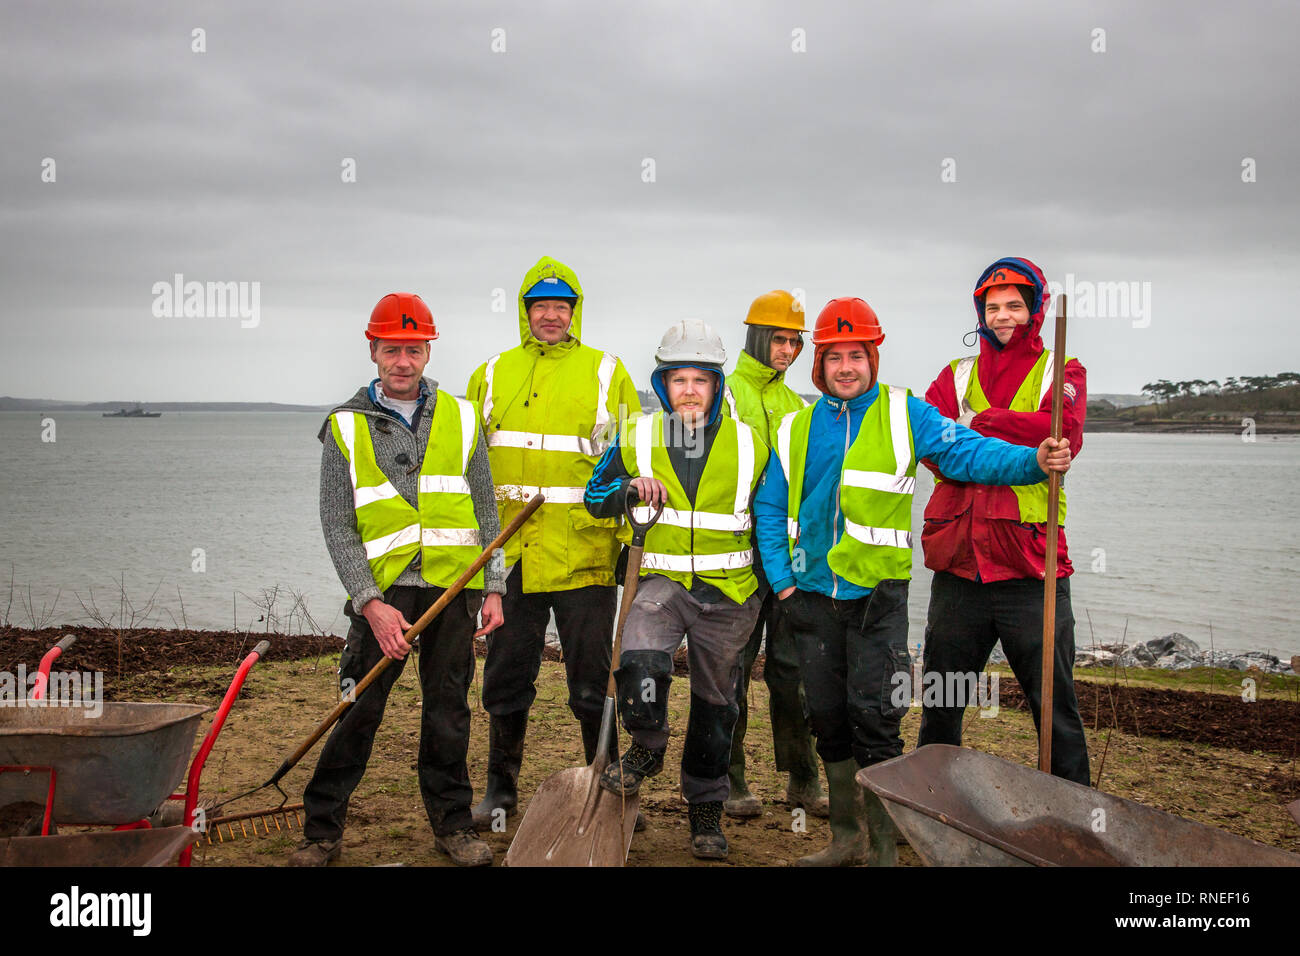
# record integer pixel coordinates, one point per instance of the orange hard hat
(1005, 276)
(847, 320)
(401, 316)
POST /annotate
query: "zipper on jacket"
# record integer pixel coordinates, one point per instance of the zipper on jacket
(835, 526)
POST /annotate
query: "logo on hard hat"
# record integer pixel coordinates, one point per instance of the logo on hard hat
(999, 275)
(408, 320)
(842, 324)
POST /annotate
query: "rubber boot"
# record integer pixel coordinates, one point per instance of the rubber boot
(848, 845)
(807, 794)
(883, 836)
(741, 804)
(505, 755)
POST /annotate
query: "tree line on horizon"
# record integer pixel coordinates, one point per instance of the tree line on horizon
(1164, 390)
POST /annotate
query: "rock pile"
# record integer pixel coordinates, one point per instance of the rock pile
(1171, 652)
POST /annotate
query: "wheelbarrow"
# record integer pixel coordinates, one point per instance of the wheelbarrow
(961, 807)
(111, 768)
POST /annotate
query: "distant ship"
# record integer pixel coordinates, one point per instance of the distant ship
(137, 412)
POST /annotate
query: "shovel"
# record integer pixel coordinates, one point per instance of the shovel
(572, 820)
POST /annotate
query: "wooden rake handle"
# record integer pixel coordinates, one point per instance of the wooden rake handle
(1049, 564)
(447, 597)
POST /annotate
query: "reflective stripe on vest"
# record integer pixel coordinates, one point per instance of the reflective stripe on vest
(537, 441)
(731, 402)
(555, 494)
(961, 374)
(444, 520)
(1031, 499)
(692, 540)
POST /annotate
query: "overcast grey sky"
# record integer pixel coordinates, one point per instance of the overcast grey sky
(820, 169)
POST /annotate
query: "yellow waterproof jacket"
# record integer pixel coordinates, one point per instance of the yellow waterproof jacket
(549, 412)
(758, 396)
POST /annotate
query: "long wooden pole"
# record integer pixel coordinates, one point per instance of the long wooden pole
(447, 596)
(1049, 564)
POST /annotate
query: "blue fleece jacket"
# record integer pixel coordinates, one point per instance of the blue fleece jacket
(965, 456)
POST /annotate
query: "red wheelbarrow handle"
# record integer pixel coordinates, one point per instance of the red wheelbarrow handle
(47, 662)
(196, 768)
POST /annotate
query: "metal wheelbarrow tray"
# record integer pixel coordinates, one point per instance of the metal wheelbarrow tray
(154, 847)
(111, 769)
(960, 807)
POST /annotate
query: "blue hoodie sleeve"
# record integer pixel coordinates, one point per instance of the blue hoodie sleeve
(966, 455)
(605, 490)
(770, 506)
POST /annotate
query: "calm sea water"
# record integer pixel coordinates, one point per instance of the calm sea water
(213, 514)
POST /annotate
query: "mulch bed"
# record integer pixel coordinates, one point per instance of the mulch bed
(150, 654)
(1220, 720)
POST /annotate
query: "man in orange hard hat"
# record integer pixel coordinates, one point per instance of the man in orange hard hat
(757, 395)
(406, 505)
(833, 518)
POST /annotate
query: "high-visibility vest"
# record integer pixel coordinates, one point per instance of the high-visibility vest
(877, 481)
(1028, 398)
(443, 530)
(712, 538)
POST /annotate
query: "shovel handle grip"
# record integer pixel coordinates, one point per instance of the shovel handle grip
(639, 528)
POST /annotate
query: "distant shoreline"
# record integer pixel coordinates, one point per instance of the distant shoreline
(1176, 427)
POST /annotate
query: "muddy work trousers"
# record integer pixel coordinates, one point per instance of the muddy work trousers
(662, 614)
(849, 652)
(446, 667)
(791, 739)
(584, 618)
(966, 619)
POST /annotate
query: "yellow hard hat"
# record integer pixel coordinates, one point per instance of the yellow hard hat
(778, 309)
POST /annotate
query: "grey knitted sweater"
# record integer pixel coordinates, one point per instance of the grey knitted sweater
(392, 437)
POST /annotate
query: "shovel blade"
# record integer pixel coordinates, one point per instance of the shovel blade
(572, 821)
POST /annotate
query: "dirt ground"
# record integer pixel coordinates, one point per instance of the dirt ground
(1235, 784)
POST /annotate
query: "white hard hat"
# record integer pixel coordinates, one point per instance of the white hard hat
(691, 340)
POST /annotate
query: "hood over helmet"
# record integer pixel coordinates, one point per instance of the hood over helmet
(548, 268)
(1021, 272)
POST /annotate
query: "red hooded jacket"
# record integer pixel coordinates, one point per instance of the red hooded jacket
(975, 531)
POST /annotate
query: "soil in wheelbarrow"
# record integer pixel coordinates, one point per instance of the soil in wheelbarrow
(1220, 720)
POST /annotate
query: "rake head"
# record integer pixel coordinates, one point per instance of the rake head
(254, 823)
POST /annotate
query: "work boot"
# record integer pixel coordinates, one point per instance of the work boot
(464, 847)
(808, 795)
(505, 755)
(707, 840)
(741, 804)
(883, 835)
(316, 852)
(848, 845)
(638, 763)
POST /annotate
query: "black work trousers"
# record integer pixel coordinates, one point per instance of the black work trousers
(790, 732)
(584, 618)
(967, 618)
(849, 652)
(446, 667)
